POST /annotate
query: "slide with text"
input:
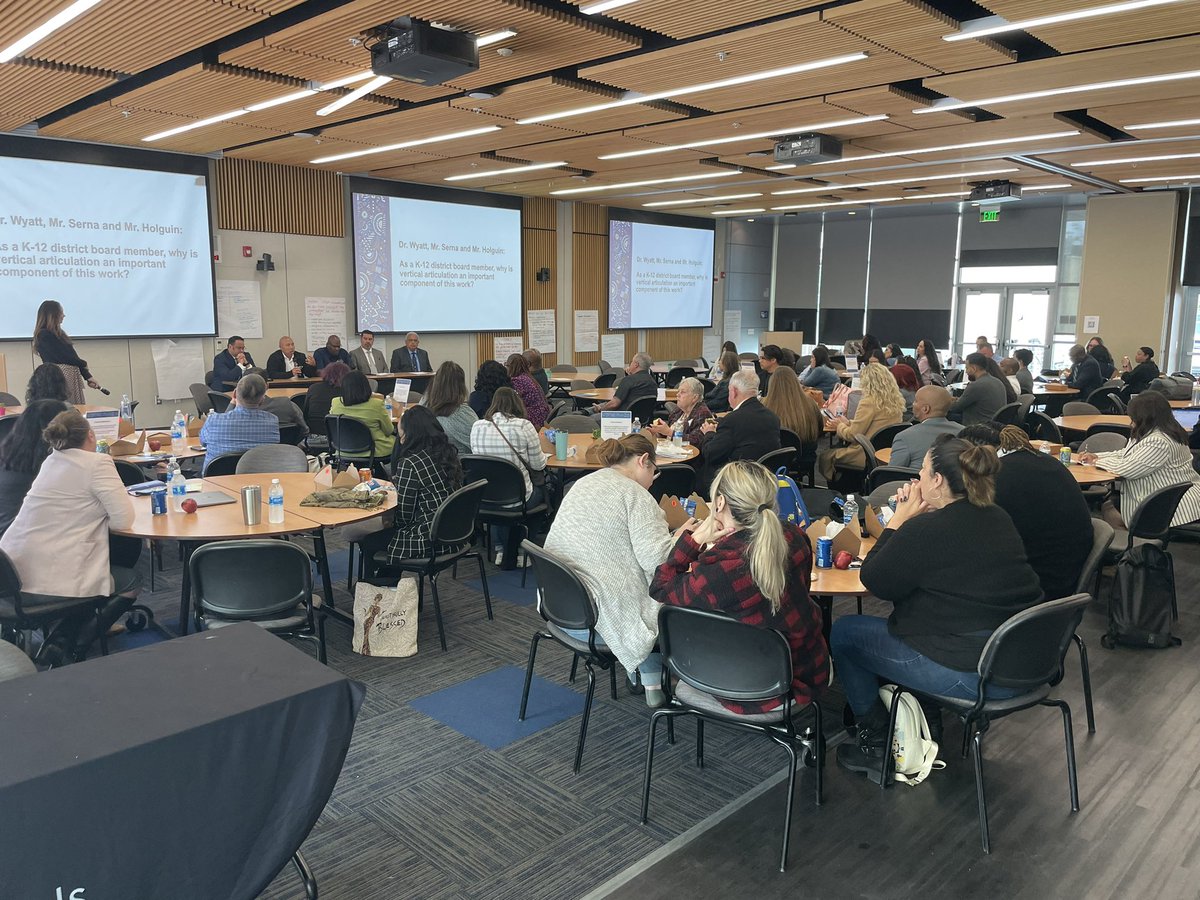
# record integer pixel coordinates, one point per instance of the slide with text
(125, 251)
(422, 265)
(659, 276)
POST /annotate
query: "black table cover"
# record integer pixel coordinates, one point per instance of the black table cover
(192, 768)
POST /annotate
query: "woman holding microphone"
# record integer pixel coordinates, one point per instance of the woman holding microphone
(53, 345)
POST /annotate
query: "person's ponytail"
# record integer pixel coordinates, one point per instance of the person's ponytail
(749, 490)
(67, 431)
(979, 467)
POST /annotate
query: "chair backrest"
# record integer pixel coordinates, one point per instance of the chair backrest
(349, 438)
(879, 495)
(7, 424)
(1123, 431)
(250, 579)
(677, 374)
(574, 424)
(1079, 408)
(301, 401)
(1008, 414)
(605, 380)
(7, 399)
(673, 481)
(563, 598)
(219, 401)
(748, 357)
(1042, 428)
(723, 657)
(557, 407)
(881, 475)
(871, 461)
(819, 502)
(563, 369)
(291, 434)
(1107, 399)
(225, 464)
(643, 409)
(200, 397)
(953, 376)
(1027, 650)
(1102, 442)
(10, 581)
(505, 484)
(1102, 538)
(581, 384)
(784, 456)
(454, 521)
(883, 438)
(129, 473)
(272, 458)
(1152, 519)
(707, 383)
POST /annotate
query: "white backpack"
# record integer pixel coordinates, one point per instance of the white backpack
(914, 752)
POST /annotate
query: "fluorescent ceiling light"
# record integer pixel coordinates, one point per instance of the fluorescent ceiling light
(984, 30)
(839, 123)
(736, 212)
(495, 37)
(635, 184)
(406, 144)
(279, 101)
(863, 202)
(696, 88)
(967, 146)
(510, 171)
(349, 79)
(201, 123)
(1160, 178)
(1177, 123)
(603, 6)
(702, 200)
(356, 94)
(937, 196)
(1094, 163)
(1045, 187)
(941, 106)
(833, 188)
(51, 25)
(780, 168)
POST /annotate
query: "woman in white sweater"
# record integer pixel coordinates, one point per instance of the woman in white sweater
(1157, 456)
(610, 530)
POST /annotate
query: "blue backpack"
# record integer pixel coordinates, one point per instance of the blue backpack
(791, 501)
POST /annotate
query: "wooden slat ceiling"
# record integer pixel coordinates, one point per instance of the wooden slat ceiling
(685, 20)
(1176, 110)
(122, 125)
(27, 92)
(1129, 27)
(897, 103)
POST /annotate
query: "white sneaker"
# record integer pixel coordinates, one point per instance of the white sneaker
(499, 557)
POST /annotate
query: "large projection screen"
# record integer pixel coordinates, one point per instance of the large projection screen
(660, 271)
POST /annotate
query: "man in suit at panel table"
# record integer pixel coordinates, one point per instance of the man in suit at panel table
(288, 362)
(366, 358)
(332, 352)
(747, 432)
(410, 357)
(230, 365)
(929, 409)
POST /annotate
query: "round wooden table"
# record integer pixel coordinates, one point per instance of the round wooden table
(1083, 423)
(564, 379)
(1083, 475)
(830, 583)
(581, 443)
(603, 395)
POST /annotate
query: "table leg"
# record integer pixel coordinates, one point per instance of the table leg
(185, 592)
(327, 605)
(825, 604)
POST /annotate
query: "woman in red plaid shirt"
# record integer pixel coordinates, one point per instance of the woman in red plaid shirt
(742, 561)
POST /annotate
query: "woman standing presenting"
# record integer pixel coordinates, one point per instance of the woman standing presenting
(53, 345)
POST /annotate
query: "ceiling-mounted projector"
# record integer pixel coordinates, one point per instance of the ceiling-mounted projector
(807, 148)
(421, 53)
(995, 192)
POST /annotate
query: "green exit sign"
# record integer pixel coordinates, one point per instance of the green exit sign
(989, 215)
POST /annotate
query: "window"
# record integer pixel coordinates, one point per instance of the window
(1007, 274)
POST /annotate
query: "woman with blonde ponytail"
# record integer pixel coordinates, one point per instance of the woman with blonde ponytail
(744, 562)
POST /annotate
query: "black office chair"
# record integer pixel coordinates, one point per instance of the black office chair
(1108, 400)
(677, 374)
(717, 658)
(881, 475)
(606, 380)
(1025, 653)
(452, 539)
(565, 604)
(292, 435)
(850, 479)
(1088, 583)
(673, 481)
(220, 402)
(350, 442)
(20, 612)
(783, 458)
(883, 438)
(7, 424)
(804, 465)
(225, 464)
(643, 409)
(269, 458)
(1123, 431)
(1042, 428)
(503, 500)
(200, 397)
(268, 583)
(820, 502)
(1008, 414)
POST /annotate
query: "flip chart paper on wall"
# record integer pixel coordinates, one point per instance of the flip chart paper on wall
(612, 350)
(239, 309)
(541, 330)
(587, 330)
(324, 316)
(177, 365)
(712, 348)
(504, 347)
(733, 324)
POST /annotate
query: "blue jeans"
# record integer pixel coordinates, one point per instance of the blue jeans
(650, 667)
(867, 655)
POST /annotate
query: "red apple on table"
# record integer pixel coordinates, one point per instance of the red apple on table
(188, 505)
(154, 444)
(842, 560)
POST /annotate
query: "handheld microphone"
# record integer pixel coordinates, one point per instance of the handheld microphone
(105, 391)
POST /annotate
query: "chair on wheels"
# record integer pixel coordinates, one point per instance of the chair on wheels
(573, 423)
(677, 374)
(272, 458)
(503, 501)
(452, 539)
(268, 583)
(717, 658)
(805, 464)
(643, 409)
(350, 441)
(1089, 579)
(1008, 414)
(1025, 653)
(605, 380)
(678, 480)
(783, 458)
(564, 603)
(21, 612)
(883, 438)
(1103, 441)
(1108, 400)
(220, 402)
(225, 464)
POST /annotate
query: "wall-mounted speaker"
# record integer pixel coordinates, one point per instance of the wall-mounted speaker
(543, 274)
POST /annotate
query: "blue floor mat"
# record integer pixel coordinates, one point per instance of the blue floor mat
(507, 586)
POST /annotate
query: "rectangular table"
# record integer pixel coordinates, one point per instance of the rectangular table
(189, 768)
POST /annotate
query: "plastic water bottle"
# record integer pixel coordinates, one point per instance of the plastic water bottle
(1196, 394)
(178, 486)
(637, 426)
(275, 503)
(387, 404)
(677, 434)
(850, 513)
(126, 408)
(178, 427)
(172, 468)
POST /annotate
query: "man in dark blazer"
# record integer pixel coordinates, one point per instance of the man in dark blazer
(332, 352)
(410, 357)
(230, 365)
(288, 362)
(749, 431)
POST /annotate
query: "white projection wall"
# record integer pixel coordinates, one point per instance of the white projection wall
(659, 276)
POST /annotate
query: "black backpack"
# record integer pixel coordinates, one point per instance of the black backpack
(1142, 607)
(1172, 387)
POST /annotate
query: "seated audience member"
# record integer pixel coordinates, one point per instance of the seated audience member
(230, 365)
(690, 410)
(319, 398)
(536, 370)
(893, 354)
(358, 402)
(795, 409)
(365, 358)
(1103, 359)
(1085, 373)
(287, 412)
(491, 375)
(714, 374)
(986, 349)
(881, 405)
(1009, 368)
(718, 398)
(1024, 358)
(770, 358)
(929, 409)
(447, 398)
(1137, 378)
(537, 409)
(638, 383)
(867, 346)
(1094, 342)
(1157, 456)
(729, 347)
(743, 562)
(788, 358)
(747, 432)
(22, 453)
(332, 352)
(1011, 394)
(983, 395)
(75, 498)
(617, 570)
(244, 425)
(46, 383)
(945, 604)
(410, 357)
(819, 374)
(929, 367)
(877, 355)
(906, 381)
(1045, 504)
(287, 362)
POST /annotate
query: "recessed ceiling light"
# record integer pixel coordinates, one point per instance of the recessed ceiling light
(1174, 178)
(834, 188)
(634, 184)
(1176, 123)
(837, 123)
(356, 94)
(969, 145)
(510, 171)
(696, 88)
(51, 25)
(486, 40)
(482, 95)
(603, 6)
(838, 203)
(951, 104)
(1095, 163)
(1045, 187)
(191, 126)
(735, 212)
(403, 145)
(984, 29)
(702, 200)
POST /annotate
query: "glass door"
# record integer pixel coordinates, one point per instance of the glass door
(978, 316)
(1028, 318)
(1009, 317)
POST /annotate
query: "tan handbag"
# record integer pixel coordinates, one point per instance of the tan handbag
(385, 619)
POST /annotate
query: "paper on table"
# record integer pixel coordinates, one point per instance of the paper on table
(400, 391)
(733, 324)
(587, 330)
(541, 330)
(712, 348)
(612, 350)
(178, 365)
(324, 316)
(504, 347)
(239, 309)
(662, 395)
(106, 424)
(615, 423)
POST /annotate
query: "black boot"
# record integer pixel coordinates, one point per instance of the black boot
(869, 749)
